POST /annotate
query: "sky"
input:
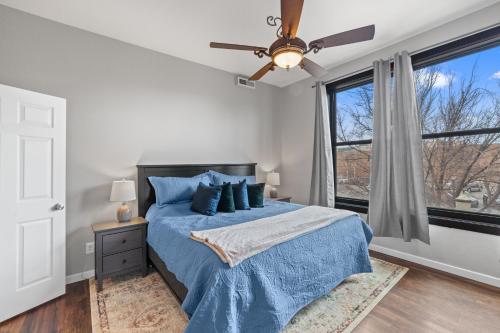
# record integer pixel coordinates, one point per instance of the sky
(487, 75)
(487, 67)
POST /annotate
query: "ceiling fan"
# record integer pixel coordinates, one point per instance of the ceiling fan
(288, 50)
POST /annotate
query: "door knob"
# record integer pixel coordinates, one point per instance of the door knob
(58, 206)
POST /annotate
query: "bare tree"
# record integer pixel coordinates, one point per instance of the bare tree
(453, 163)
(447, 103)
(360, 114)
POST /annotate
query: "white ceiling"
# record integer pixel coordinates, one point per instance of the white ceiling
(184, 28)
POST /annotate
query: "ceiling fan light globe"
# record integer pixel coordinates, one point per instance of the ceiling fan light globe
(288, 58)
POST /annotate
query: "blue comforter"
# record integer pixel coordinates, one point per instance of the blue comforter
(264, 292)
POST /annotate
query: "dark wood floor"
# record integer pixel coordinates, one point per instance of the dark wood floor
(425, 300)
(68, 313)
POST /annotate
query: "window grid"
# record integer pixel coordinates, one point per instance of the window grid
(460, 219)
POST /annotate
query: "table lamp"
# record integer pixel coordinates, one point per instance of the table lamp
(273, 179)
(123, 191)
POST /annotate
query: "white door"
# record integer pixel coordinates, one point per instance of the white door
(32, 198)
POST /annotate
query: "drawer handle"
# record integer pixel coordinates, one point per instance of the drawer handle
(124, 241)
(124, 261)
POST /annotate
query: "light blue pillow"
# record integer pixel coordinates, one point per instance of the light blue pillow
(206, 174)
(220, 178)
(170, 190)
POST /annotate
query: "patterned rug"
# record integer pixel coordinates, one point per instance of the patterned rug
(145, 305)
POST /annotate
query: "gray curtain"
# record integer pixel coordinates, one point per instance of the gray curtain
(322, 184)
(397, 198)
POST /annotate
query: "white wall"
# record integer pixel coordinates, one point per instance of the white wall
(463, 249)
(126, 105)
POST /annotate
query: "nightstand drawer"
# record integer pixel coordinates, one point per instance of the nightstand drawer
(120, 247)
(121, 241)
(121, 261)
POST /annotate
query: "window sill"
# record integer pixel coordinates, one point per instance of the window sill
(491, 228)
(482, 227)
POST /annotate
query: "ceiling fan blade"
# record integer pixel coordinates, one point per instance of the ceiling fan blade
(347, 37)
(313, 68)
(290, 16)
(236, 47)
(261, 72)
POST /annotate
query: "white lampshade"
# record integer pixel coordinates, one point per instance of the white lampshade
(122, 191)
(273, 178)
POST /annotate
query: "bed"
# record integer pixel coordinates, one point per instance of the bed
(262, 293)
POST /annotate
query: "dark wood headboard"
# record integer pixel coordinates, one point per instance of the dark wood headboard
(146, 194)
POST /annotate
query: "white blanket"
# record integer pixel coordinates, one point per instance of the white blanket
(235, 243)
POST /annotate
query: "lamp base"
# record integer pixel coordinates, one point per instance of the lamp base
(123, 214)
(273, 192)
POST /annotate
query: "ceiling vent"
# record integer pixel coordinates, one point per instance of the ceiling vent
(245, 82)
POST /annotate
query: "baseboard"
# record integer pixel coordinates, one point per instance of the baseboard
(79, 276)
(476, 276)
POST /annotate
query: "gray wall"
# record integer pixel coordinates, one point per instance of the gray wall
(126, 105)
(463, 250)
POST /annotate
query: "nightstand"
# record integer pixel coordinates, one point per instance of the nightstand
(120, 247)
(284, 199)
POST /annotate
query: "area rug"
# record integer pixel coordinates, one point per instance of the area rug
(135, 304)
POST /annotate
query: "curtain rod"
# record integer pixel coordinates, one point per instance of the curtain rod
(410, 53)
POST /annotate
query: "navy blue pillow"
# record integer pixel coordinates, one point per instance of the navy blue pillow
(256, 195)
(205, 199)
(240, 195)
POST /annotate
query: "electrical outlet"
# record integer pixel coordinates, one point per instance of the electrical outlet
(89, 248)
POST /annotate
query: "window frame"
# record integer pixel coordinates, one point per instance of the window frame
(452, 218)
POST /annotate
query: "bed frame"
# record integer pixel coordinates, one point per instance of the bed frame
(146, 197)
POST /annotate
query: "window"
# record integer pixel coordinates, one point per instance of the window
(458, 96)
(354, 126)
